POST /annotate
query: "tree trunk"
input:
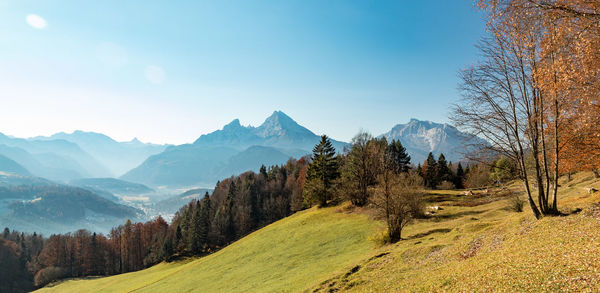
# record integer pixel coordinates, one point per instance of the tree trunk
(556, 158)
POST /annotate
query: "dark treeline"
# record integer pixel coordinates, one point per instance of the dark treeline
(237, 206)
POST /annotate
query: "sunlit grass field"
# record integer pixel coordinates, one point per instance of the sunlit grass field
(474, 243)
(291, 254)
(489, 248)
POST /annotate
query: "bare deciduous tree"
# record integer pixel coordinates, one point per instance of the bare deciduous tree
(398, 199)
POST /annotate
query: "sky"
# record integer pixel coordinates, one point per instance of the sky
(169, 71)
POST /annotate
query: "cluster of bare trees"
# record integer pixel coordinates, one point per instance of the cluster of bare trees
(538, 79)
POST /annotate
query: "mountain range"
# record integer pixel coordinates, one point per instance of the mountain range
(117, 157)
(64, 157)
(237, 148)
(67, 157)
(229, 151)
(422, 137)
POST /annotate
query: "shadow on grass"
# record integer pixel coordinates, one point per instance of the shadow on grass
(420, 235)
(438, 217)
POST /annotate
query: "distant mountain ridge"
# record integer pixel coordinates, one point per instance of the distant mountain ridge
(234, 149)
(117, 157)
(421, 137)
(55, 159)
(231, 150)
(10, 166)
(278, 130)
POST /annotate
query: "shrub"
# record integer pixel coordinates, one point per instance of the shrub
(380, 238)
(516, 203)
(48, 275)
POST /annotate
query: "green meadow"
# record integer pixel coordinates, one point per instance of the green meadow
(474, 243)
(291, 254)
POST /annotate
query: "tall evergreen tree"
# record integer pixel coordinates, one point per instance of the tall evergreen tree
(195, 245)
(430, 171)
(178, 236)
(459, 177)
(443, 171)
(398, 157)
(322, 171)
(263, 171)
(205, 219)
(229, 213)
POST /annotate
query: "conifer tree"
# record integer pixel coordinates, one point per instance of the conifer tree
(322, 171)
(398, 157)
(178, 236)
(430, 172)
(195, 244)
(459, 177)
(230, 220)
(205, 219)
(443, 172)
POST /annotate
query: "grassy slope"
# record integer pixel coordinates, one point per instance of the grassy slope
(296, 252)
(489, 248)
(476, 243)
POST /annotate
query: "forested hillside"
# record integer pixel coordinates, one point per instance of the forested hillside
(238, 206)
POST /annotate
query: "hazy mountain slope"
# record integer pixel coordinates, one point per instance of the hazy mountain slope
(421, 137)
(168, 207)
(112, 185)
(11, 179)
(59, 209)
(9, 166)
(118, 157)
(58, 154)
(47, 165)
(231, 150)
(292, 254)
(250, 160)
(181, 165)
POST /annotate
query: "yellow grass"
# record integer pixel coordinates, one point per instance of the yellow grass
(293, 253)
(474, 244)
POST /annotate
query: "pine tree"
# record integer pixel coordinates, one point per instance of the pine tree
(460, 176)
(322, 171)
(205, 219)
(166, 249)
(263, 171)
(430, 172)
(178, 236)
(195, 244)
(230, 216)
(443, 172)
(397, 156)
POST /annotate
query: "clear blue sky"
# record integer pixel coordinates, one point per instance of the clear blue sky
(169, 71)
